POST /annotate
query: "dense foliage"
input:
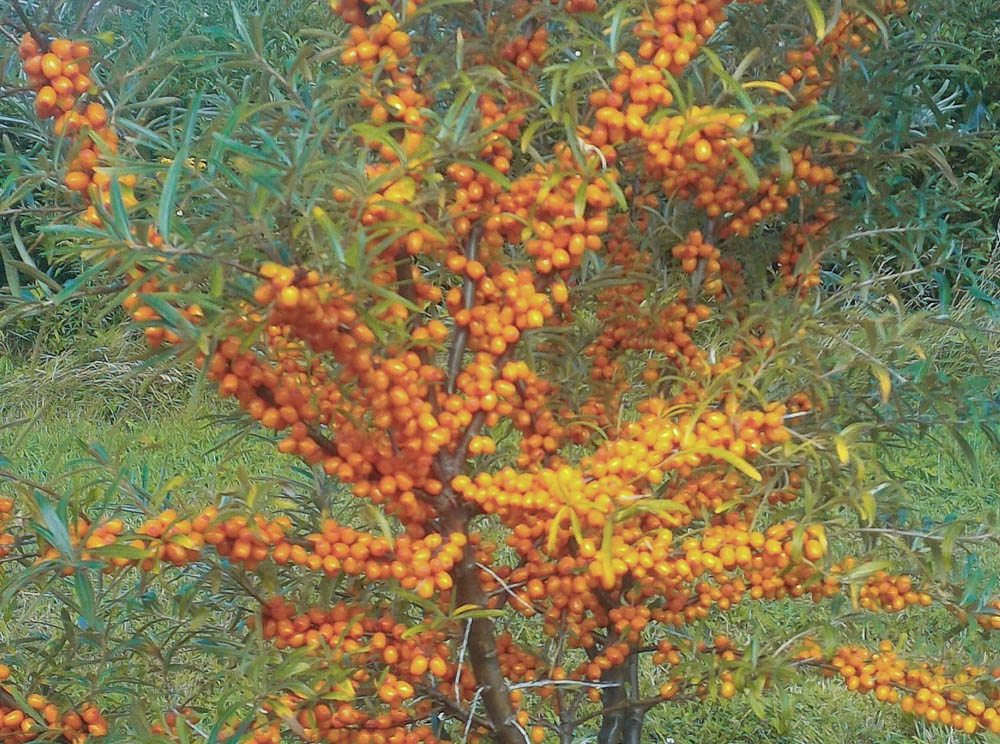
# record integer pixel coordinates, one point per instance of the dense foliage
(590, 324)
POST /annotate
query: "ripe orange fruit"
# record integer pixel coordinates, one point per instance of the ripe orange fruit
(33, 65)
(289, 296)
(813, 550)
(51, 65)
(62, 85)
(77, 181)
(28, 46)
(13, 718)
(62, 48)
(46, 97)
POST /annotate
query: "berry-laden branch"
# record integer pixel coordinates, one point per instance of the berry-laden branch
(40, 719)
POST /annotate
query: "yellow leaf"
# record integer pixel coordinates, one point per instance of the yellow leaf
(841, 446)
(884, 384)
(184, 541)
(735, 460)
(867, 508)
(550, 543)
(169, 486)
(821, 536)
(403, 190)
(819, 21)
(574, 524)
(606, 568)
(769, 84)
(344, 690)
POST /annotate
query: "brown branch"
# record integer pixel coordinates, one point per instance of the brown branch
(455, 710)
(635, 715)
(457, 349)
(614, 706)
(645, 704)
(405, 282)
(30, 483)
(43, 42)
(325, 443)
(696, 280)
(482, 646)
(475, 426)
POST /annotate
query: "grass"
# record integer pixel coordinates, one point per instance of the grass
(100, 398)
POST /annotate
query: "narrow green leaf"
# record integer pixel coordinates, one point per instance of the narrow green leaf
(963, 444)
(85, 597)
(749, 172)
(169, 192)
(56, 527)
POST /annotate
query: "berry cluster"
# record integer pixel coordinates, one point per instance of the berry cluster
(43, 720)
(918, 688)
(83, 534)
(61, 77)
(6, 513)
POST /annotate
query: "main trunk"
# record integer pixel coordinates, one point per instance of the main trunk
(612, 698)
(633, 714)
(482, 654)
(621, 723)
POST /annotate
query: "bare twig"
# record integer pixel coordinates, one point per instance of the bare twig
(461, 658)
(30, 483)
(472, 711)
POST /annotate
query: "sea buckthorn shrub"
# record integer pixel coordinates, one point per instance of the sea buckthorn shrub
(533, 294)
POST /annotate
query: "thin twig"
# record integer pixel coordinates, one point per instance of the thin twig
(30, 483)
(472, 711)
(461, 659)
(43, 43)
(82, 17)
(506, 587)
(922, 535)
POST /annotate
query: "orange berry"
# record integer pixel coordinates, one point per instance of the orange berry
(62, 48)
(96, 115)
(51, 65)
(77, 181)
